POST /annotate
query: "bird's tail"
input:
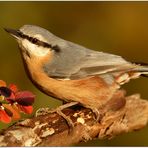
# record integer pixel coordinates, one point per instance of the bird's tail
(140, 69)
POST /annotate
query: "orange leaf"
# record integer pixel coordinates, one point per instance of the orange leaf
(4, 117)
(13, 87)
(2, 83)
(26, 109)
(14, 109)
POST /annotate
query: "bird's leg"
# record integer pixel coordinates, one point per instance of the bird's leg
(58, 110)
(96, 113)
(67, 119)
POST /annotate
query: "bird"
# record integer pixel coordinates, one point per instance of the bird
(71, 72)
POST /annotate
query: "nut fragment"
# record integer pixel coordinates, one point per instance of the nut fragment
(80, 120)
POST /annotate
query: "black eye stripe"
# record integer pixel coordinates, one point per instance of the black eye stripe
(38, 42)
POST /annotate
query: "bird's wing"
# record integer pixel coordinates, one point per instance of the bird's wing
(96, 63)
(75, 62)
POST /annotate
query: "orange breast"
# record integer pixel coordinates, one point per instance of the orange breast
(91, 91)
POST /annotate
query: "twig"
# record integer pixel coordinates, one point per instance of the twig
(52, 130)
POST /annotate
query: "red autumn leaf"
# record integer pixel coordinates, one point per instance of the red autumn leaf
(26, 109)
(13, 87)
(4, 117)
(14, 102)
(25, 98)
(11, 99)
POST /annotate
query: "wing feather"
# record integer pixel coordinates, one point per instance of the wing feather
(75, 62)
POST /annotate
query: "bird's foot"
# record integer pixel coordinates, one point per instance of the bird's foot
(66, 118)
(96, 113)
(58, 110)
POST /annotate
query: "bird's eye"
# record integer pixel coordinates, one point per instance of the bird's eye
(56, 48)
(34, 40)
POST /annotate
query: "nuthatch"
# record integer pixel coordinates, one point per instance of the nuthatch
(71, 72)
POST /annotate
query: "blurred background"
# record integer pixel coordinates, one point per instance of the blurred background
(115, 27)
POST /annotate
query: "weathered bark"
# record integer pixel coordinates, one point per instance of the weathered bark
(52, 129)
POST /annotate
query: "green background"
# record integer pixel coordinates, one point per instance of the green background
(115, 27)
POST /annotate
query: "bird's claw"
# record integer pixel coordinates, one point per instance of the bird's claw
(58, 110)
(96, 113)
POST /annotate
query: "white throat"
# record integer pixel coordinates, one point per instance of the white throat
(35, 49)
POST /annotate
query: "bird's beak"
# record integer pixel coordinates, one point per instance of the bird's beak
(13, 32)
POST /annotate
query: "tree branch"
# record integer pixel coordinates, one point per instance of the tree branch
(52, 129)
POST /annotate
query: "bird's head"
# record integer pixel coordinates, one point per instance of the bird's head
(34, 40)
